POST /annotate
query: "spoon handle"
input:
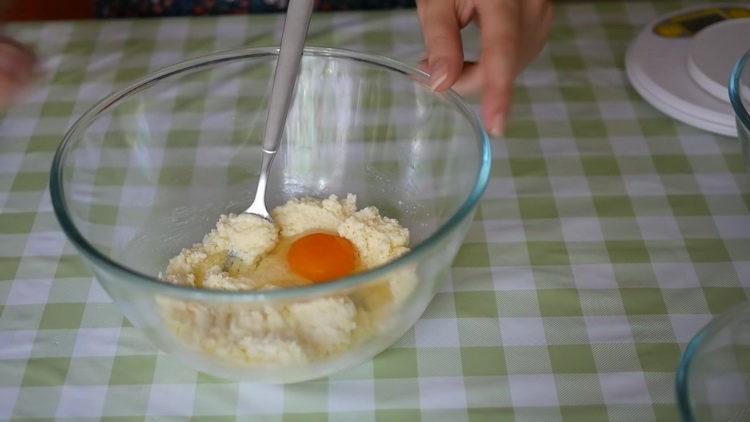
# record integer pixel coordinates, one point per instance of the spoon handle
(287, 68)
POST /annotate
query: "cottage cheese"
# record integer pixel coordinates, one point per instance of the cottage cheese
(239, 255)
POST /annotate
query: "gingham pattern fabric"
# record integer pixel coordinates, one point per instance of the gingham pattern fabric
(608, 236)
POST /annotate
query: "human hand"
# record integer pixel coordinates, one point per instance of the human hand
(513, 32)
(16, 69)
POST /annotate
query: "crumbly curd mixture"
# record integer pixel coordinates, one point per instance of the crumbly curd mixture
(245, 252)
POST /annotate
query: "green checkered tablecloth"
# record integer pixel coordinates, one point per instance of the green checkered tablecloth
(608, 235)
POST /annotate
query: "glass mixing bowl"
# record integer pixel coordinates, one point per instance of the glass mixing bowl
(713, 379)
(739, 95)
(148, 171)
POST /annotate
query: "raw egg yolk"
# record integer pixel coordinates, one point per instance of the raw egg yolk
(322, 256)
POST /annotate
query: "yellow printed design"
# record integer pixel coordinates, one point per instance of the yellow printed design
(690, 23)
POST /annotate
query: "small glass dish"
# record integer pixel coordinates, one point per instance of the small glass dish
(713, 378)
(739, 96)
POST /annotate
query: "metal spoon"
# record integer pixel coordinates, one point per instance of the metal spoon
(284, 79)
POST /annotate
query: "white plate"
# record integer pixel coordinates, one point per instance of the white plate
(657, 67)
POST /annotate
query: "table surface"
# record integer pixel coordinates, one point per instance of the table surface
(608, 236)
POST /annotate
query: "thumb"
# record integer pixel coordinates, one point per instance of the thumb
(469, 83)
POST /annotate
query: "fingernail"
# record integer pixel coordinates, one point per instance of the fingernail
(439, 74)
(497, 127)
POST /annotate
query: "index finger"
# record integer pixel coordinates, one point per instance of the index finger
(442, 37)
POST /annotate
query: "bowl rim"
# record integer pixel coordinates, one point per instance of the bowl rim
(682, 388)
(57, 191)
(735, 91)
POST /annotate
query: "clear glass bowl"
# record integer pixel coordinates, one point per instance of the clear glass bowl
(149, 170)
(739, 95)
(713, 379)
